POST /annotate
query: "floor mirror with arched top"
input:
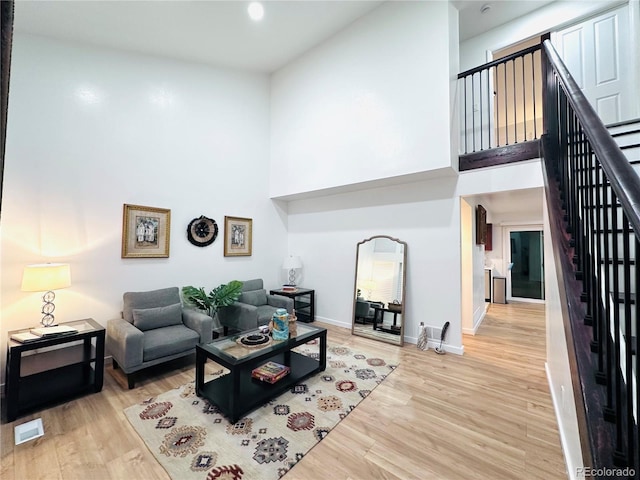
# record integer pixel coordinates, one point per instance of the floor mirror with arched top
(379, 289)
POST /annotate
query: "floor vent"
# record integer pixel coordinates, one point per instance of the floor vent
(29, 431)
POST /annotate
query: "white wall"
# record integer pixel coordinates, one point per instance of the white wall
(90, 129)
(467, 280)
(325, 232)
(473, 304)
(370, 103)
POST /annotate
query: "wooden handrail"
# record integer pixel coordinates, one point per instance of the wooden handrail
(508, 58)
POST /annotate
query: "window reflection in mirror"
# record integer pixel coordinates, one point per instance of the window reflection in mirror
(379, 290)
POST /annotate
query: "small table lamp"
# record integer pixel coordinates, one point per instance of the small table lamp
(291, 263)
(46, 277)
(369, 286)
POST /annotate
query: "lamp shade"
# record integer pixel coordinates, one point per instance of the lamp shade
(292, 262)
(368, 284)
(46, 276)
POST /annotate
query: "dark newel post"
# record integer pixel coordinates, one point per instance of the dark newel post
(7, 37)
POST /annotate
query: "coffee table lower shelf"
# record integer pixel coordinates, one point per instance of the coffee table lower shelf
(252, 393)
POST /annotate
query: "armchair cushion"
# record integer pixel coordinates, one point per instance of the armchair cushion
(162, 342)
(155, 298)
(151, 318)
(254, 297)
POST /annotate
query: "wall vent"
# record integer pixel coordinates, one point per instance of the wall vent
(434, 333)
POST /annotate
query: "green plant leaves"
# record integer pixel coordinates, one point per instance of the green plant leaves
(224, 295)
(197, 297)
(221, 296)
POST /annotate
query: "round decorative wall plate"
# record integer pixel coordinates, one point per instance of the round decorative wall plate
(202, 231)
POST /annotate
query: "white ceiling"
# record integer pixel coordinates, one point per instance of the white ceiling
(213, 32)
(473, 22)
(527, 203)
(220, 32)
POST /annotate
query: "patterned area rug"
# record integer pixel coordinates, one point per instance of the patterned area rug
(192, 440)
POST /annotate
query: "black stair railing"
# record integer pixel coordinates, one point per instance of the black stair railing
(598, 198)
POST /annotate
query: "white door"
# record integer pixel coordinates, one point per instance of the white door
(598, 53)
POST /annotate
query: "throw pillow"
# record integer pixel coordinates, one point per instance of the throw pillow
(150, 318)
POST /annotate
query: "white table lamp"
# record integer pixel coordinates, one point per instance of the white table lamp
(292, 263)
(46, 277)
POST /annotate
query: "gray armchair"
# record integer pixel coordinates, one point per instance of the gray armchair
(154, 328)
(255, 307)
(364, 310)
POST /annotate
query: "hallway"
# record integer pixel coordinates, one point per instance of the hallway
(486, 414)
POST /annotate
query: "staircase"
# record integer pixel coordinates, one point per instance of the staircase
(627, 136)
(592, 188)
(593, 193)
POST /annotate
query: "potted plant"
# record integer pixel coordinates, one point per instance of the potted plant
(221, 296)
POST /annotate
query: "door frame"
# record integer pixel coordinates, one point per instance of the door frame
(506, 255)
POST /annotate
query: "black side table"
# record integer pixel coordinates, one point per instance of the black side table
(53, 369)
(303, 302)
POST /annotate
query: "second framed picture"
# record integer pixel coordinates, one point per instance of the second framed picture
(238, 236)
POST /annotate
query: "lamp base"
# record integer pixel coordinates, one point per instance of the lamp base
(292, 277)
(48, 307)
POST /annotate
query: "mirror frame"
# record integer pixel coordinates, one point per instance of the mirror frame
(391, 340)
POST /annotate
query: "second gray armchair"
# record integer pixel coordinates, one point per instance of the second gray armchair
(255, 307)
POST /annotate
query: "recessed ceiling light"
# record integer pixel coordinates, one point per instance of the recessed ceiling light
(256, 11)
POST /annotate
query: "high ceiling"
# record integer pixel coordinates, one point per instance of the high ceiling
(212, 32)
(220, 32)
(474, 22)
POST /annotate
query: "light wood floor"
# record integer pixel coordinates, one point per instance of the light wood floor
(486, 414)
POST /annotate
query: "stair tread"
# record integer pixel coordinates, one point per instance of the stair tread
(622, 134)
(631, 145)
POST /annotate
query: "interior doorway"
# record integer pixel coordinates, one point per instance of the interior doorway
(525, 254)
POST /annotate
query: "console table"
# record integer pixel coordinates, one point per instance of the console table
(52, 369)
(378, 316)
(303, 302)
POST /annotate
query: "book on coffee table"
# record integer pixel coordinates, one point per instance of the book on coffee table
(270, 372)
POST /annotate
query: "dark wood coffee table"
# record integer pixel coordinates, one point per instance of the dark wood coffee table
(237, 393)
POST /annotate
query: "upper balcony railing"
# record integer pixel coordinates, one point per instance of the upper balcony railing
(501, 102)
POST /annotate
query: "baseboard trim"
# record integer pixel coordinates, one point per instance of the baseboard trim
(330, 321)
(569, 463)
(407, 339)
(474, 330)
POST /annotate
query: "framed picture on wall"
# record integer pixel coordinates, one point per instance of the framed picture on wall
(145, 232)
(238, 236)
